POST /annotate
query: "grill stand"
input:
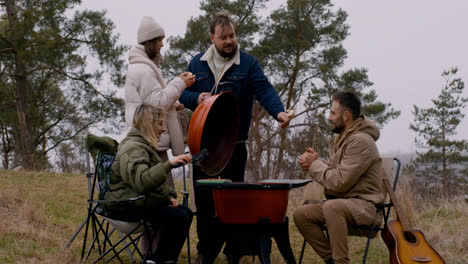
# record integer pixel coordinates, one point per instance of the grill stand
(255, 240)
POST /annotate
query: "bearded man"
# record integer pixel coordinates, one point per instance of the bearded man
(224, 63)
(351, 178)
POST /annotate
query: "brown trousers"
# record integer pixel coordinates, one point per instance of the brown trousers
(310, 219)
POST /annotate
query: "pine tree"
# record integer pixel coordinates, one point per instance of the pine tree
(441, 159)
(44, 54)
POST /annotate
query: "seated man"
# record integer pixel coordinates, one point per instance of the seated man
(351, 178)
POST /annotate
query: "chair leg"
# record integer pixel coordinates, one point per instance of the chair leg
(120, 241)
(106, 234)
(83, 247)
(95, 237)
(369, 237)
(106, 239)
(130, 253)
(78, 230)
(302, 252)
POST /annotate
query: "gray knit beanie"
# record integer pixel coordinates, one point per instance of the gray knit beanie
(149, 29)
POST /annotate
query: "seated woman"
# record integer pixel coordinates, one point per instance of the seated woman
(138, 170)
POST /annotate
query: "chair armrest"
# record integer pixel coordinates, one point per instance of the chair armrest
(129, 201)
(382, 206)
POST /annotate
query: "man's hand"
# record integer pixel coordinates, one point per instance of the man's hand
(173, 202)
(284, 119)
(307, 158)
(202, 97)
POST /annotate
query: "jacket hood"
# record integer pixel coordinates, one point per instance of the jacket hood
(369, 127)
(134, 135)
(362, 124)
(138, 52)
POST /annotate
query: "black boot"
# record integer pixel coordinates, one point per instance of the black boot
(200, 259)
(329, 261)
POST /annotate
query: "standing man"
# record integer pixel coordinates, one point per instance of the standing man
(225, 62)
(351, 178)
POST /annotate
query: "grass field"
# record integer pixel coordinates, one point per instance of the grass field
(39, 212)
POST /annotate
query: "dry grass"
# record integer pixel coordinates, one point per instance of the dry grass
(40, 211)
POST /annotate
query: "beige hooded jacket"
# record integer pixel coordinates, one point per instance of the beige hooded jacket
(353, 170)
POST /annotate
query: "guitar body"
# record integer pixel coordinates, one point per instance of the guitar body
(408, 247)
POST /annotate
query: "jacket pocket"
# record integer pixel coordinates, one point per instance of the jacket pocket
(200, 76)
(234, 77)
(233, 82)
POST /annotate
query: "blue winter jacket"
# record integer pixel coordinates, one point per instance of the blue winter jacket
(247, 81)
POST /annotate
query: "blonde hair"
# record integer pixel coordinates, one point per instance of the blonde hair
(145, 119)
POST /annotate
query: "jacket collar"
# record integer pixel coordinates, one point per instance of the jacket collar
(134, 134)
(138, 51)
(218, 64)
(211, 52)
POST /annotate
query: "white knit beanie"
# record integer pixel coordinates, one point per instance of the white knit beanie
(149, 29)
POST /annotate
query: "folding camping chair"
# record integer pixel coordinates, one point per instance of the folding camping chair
(98, 220)
(97, 223)
(392, 167)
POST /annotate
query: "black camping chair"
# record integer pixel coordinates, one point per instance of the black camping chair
(372, 231)
(96, 224)
(99, 225)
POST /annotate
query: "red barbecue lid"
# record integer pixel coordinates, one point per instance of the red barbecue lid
(215, 126)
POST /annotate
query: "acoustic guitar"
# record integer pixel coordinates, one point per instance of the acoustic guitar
(406, 245)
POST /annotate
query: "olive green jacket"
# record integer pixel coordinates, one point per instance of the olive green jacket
(138, 170)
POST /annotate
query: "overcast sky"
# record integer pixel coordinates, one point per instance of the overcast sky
(405, 45)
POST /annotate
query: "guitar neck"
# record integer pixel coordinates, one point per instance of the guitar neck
(400, 214)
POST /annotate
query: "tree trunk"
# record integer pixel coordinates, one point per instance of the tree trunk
(21, 89)
(6, 147)
(444, 163)
(288, 105)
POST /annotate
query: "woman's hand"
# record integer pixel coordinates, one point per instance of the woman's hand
(188, 78)
(173, 202)
(183, 159)
(178, 106)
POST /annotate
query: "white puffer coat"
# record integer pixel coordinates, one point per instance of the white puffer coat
(145, 84)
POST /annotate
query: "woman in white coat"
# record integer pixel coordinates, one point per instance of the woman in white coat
(145, 85)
